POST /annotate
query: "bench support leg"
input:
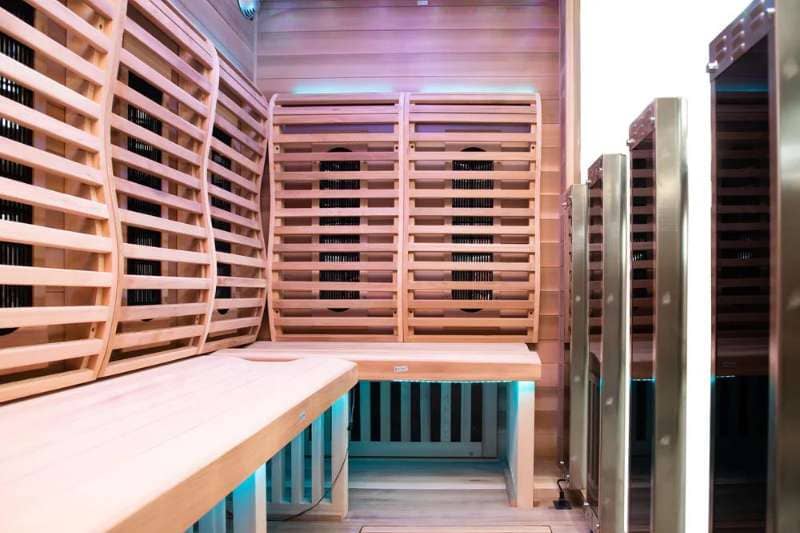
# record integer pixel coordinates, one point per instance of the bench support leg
(250, 503)
(520, 411)
(340, 438)
(214, 520)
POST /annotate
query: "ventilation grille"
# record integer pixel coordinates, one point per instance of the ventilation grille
(141, 236)
(472, 257)
(340, 276)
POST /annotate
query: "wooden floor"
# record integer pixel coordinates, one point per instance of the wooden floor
(465, 495)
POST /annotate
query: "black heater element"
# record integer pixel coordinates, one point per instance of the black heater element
(340, 276)
(473, 276)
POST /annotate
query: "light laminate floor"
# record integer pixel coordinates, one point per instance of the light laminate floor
(387, 496)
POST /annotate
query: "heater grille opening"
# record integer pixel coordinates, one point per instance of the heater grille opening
(223, 269)
(339, 276)
(142, 236)
(15, 254)
(472, 276)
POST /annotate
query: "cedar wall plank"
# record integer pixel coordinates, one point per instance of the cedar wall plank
(325, 46)
(231, 33)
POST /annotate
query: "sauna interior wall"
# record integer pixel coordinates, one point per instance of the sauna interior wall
(220, 21)
(344, 46)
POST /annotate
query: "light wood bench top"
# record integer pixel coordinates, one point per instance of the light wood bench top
(154, 450)
(378, 361)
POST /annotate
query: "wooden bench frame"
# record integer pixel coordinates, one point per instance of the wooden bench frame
(439, 362)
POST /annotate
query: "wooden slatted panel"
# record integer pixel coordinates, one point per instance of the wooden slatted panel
(595, 232)
(742, 233)
(164, 98)
(424, 419)
(472, 217)
(58, 249)
(336, 195)
(642, 240)
(235, 166)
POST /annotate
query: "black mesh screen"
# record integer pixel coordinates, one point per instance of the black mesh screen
(142, 236)
(13, 253)
(341, 276)
(472, 203)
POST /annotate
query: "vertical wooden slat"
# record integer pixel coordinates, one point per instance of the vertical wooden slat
(446, 408)
(520, 415)
(214, 520)
(250, 503)
(277, 477)
(466, 412)
(339, 461)
(425, 411)
(298, 469)
(386, 411)
(365, 410)
(405, 412)
(317, 459)
(489, 416)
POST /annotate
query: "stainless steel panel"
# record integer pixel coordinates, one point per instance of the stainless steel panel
(615, 370)
(669, 366)
(784, 469)
(579, 339)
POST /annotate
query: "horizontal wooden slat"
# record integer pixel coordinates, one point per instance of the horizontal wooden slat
(54, 238)
(22, 317)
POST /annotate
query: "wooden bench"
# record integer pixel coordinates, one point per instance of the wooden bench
(155, 450)
(439, 362)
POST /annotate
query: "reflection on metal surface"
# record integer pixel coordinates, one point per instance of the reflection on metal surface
(615, 370)
(579, 360)
(784, 472)
(669, 462)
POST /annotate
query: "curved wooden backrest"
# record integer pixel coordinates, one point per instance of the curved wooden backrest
(164, 101)
(58, 249)
(235, 166)
(472, 218)
(335, 241)
(118, 174)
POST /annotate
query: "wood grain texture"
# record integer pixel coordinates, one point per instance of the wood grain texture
(384, 361)
(169, 442)
(160, 129)
(235, 166)
(59, 249)
(232, 34)
(336, 191)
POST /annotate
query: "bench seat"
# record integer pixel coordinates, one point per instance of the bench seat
(380, 361)
(156, 449)
(439, 362)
